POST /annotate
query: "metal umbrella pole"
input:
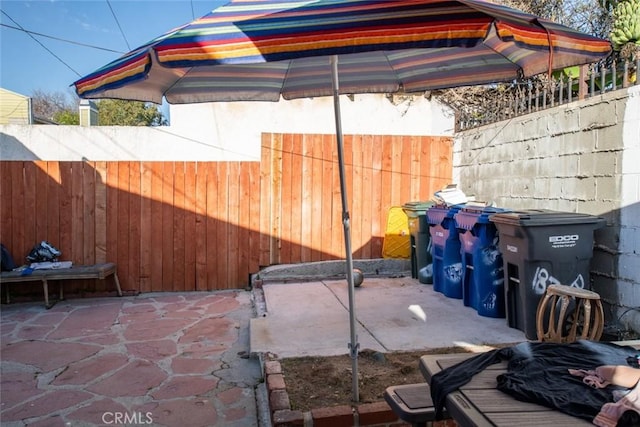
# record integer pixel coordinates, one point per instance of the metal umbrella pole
(353, 345)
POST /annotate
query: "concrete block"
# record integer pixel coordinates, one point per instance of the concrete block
(608, 237)
(628, 293)
(565, 205)
(608, 188)
(541, 187)
(606, 287)
(521, 187)
(630, 240)
(564, 120)
(574, 143)
(591, 116)
(602, 163)
(629, 269)
(593, 207)
(579, 188)
(511, 132)
(604, 263)
(609, 139)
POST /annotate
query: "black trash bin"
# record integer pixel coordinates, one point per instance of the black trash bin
(540, 248)
(421, 265)
(482, 265)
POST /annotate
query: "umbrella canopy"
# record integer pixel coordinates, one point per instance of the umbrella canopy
(262, 50)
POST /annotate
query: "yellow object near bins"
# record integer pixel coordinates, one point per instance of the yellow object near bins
(397, 242)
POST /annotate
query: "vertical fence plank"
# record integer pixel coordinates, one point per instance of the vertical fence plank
(377, 173)
(167, 225)
(367, 196)
(357, 212)
(112, 216)
(26, 179)
(135, 223)
(6, 219)
(388, 151)
(178, 227)
(53, 203)
(157, 211)
(146, 230)
(295, 201)
(313, 160)
(255, 215)
(221, 249)
(66, 212)
(336, 226)
(40, 192)
(405, 171)
(287, 206)
(265, 199)
(88, 212)
(89, 218)
(212, 250)
(201, 233)
(232, 222)
(77, 208)
(327, 196)
(301, 196)
(101, 212)
(275, 231)
(243, 225)
(123, 223)
(190, 226)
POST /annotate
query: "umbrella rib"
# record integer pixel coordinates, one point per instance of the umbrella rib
(178, 81)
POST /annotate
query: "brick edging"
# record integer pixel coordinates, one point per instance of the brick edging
(366, 414)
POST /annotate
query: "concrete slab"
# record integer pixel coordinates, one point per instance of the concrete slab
(313, 319)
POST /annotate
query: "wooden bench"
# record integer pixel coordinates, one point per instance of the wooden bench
(97, 271)
(412, 403)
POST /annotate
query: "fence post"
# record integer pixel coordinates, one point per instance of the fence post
(582, 83)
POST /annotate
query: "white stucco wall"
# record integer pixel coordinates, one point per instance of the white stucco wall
(629, 247)
(224, 131)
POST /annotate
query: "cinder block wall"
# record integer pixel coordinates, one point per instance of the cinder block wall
(581, 157)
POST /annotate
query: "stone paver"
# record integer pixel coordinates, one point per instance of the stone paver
(155, 359)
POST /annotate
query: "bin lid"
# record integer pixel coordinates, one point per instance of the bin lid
(414, 209)
(469, 216)
(544, 217)
(438, 213)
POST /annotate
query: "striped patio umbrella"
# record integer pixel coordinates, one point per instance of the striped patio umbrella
(264, 50)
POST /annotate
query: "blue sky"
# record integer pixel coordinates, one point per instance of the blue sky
(93, 33)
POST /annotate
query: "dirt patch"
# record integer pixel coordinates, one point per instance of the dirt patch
(317, 382)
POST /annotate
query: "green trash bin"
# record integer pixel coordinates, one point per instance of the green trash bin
(540, 248)
(421, 263)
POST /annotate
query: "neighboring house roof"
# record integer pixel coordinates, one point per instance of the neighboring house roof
(16, 109)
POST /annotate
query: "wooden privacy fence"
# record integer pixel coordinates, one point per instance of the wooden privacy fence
(188, 226)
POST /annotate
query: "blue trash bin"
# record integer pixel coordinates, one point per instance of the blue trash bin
(482, 265)
(445, 250)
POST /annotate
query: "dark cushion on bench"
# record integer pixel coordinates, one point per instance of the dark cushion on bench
(411, 402)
